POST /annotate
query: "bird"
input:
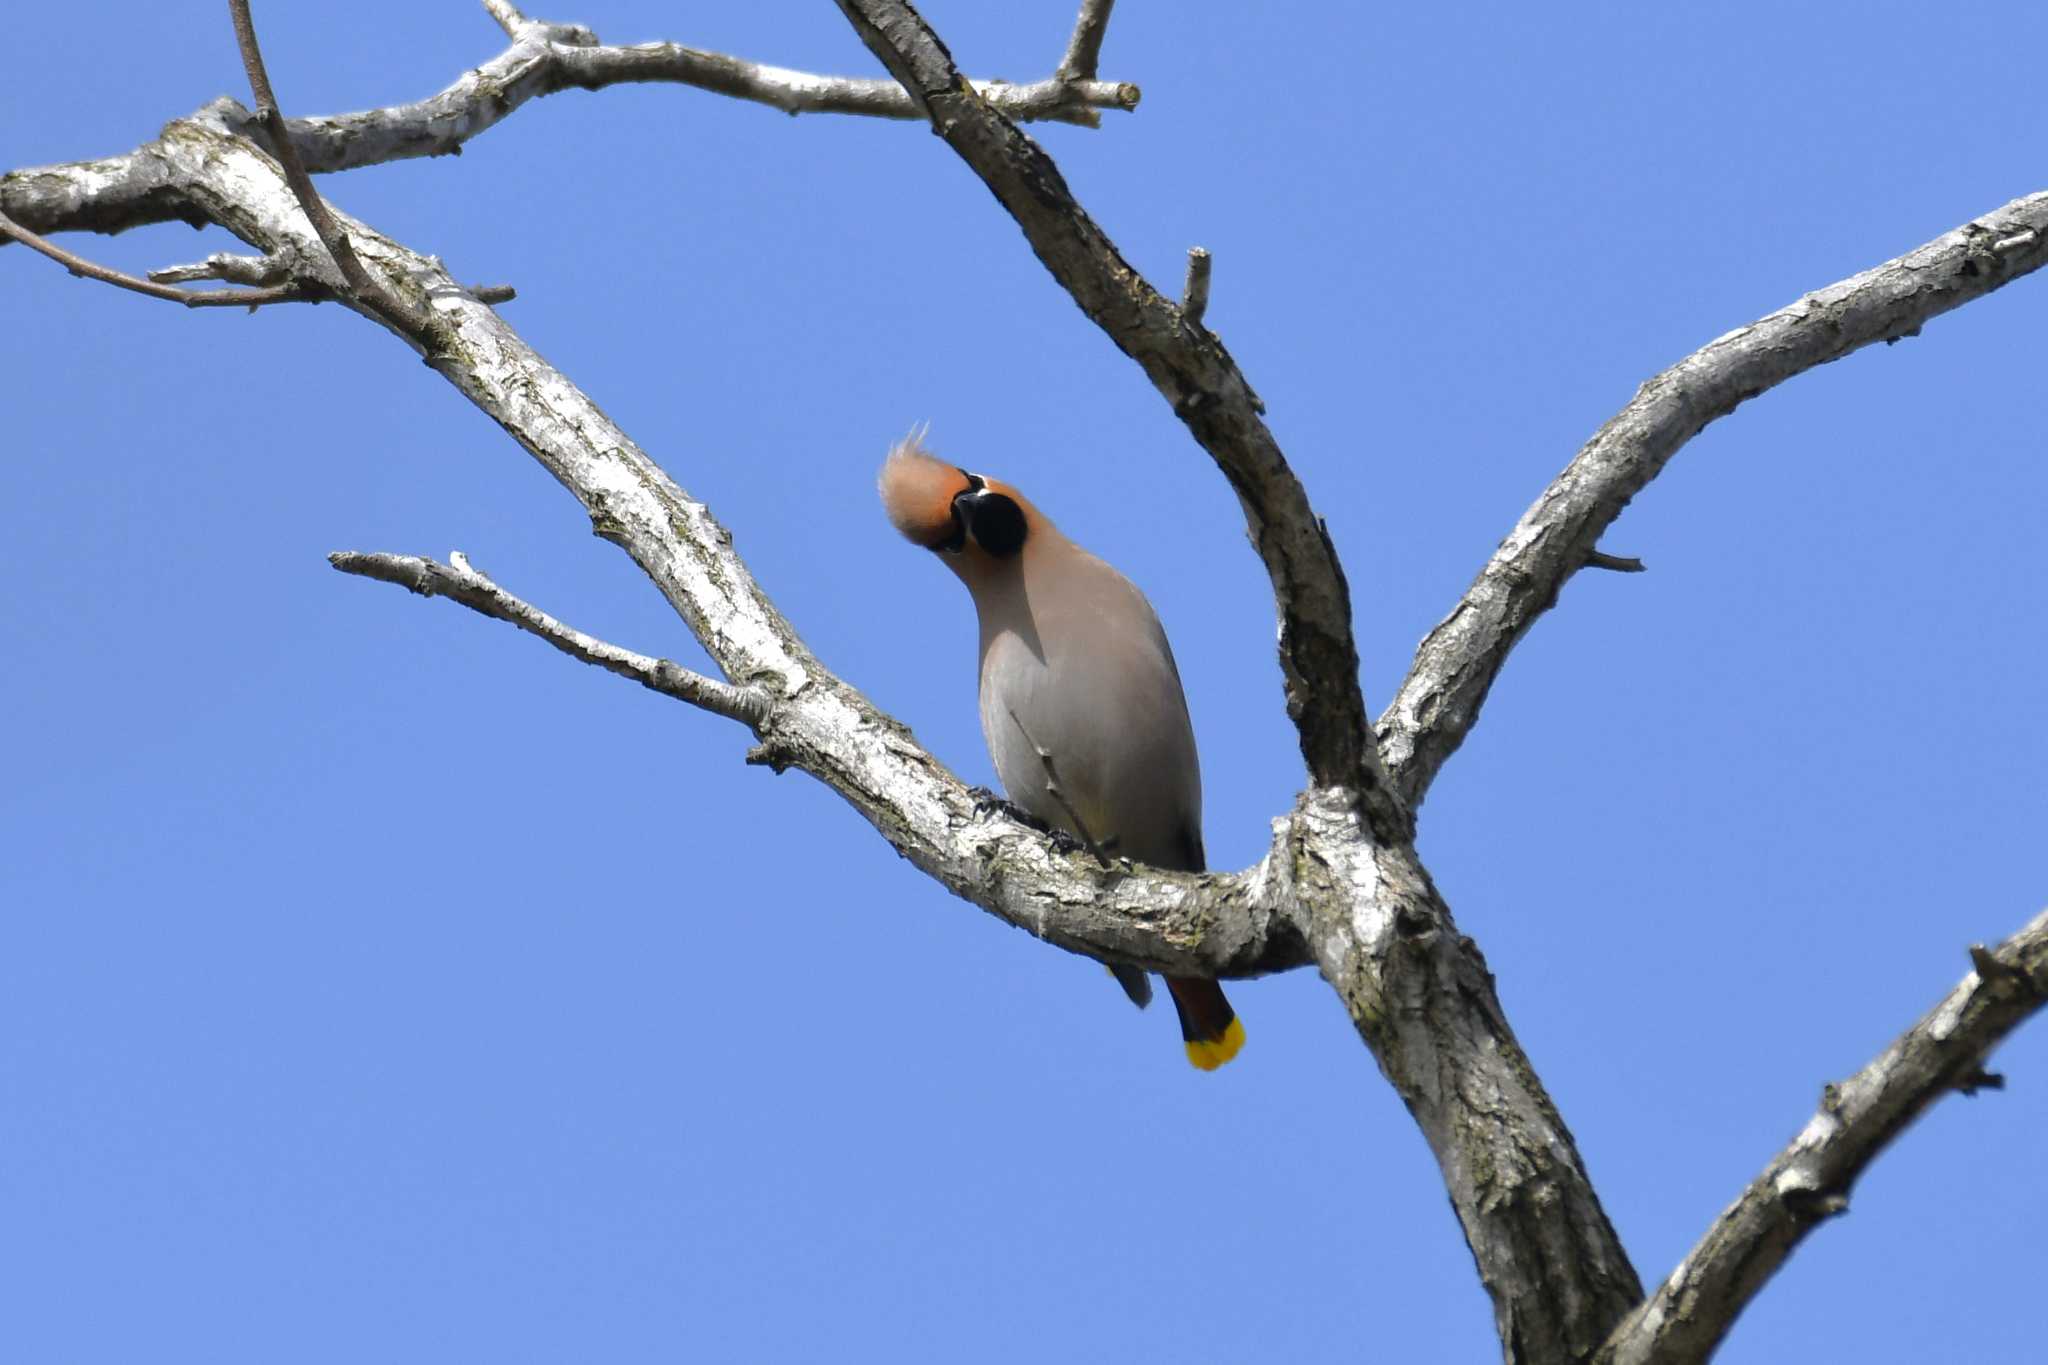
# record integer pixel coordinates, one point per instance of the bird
(1081, 702)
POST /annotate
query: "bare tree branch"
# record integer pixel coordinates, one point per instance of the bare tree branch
(1084, 49)
(265, 270)
(132, 189)
(801, 92)
(227, 265)
(459, 581)
(1194, 295)
(1456, 664)
(272, 120)
(517, 25)
(1192, 370)
(191, 298)
(1421, 997)
(1596, 559)
(1809, 1182)
(1197, 925)
(1084, 52)
(1068, 96)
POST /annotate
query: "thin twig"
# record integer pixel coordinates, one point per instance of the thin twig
(508, 17)
(191, 298)
(1599, 559)
(1194, 295)
(1084, 49)
(227, 265)
(272, 119)
(1980, 1079)
(803, 92)
(271, 269)
(1809, 1181)
(518, 27)
(1990, 965)
(458, 581)
(109, 194)
(1084, 54)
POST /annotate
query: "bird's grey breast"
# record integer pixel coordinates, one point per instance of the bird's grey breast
(1084, 716)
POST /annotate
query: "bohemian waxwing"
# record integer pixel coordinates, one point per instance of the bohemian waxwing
(1081, 704)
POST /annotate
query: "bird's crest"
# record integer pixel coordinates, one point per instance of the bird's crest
(917, 491)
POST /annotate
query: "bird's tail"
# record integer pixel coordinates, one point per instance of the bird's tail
(1207, 1022)
(1137, 985)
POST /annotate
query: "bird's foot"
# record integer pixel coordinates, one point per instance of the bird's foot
(1065, 843)
(987, 802)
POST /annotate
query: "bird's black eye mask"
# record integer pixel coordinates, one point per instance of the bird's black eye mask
(994, 520)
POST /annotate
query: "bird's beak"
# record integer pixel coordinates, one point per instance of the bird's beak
(963, 515)
(992, 518)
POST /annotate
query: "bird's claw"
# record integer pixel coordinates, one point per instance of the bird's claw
(987, 802)
(1064, 843)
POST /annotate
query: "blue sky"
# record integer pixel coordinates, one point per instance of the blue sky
(379, 984)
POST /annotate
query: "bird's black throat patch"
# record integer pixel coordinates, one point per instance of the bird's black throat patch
(994, 519)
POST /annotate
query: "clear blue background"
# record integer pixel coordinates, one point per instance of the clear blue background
(379, 985)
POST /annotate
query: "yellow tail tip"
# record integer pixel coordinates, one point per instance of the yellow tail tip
(1210, 1053)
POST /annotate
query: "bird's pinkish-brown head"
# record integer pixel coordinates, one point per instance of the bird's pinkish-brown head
(952, 512)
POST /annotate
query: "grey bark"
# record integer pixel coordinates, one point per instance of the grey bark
(119, 192)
